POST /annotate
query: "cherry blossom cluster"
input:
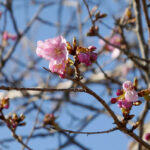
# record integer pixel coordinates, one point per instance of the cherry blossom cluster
(57, 51)
(127, 97)
(12, 121)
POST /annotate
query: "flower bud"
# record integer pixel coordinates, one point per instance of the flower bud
(147, 137)
(74, 42)
(97, 15)
(69, 48)
(93, 30)
(49, 119)
(103, 15)
(5, 102)
(15, 117)
(135, 83)
(113, 100)
(128, 13)
(119, 92)
(22, 124)
(22, 117)
(137, 103)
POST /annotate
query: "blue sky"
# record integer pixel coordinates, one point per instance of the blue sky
(23, 12)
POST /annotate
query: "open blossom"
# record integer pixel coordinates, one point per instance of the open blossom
(56, 67)
(127, 97)
(54, 50)
(131, 96)
(87, 58)
(127, 86)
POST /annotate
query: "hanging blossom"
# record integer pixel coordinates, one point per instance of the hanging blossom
(54, 50)
(88, 56)
(127, 97)
(115, 40)
(7, 36)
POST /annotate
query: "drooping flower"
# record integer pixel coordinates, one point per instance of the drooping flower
(55, 49)
(87, 58)
(58, 67)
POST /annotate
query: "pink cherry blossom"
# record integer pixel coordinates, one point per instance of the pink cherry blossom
(55, 49)
(115, 40)
(87, 58)
(58, 67)
(127, 86)
(131, 96)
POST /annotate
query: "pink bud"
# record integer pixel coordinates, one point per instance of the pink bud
(93, 57)
(6, 106)
(5, 36)
(147, 137)
(119, 92)
(113, 100)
